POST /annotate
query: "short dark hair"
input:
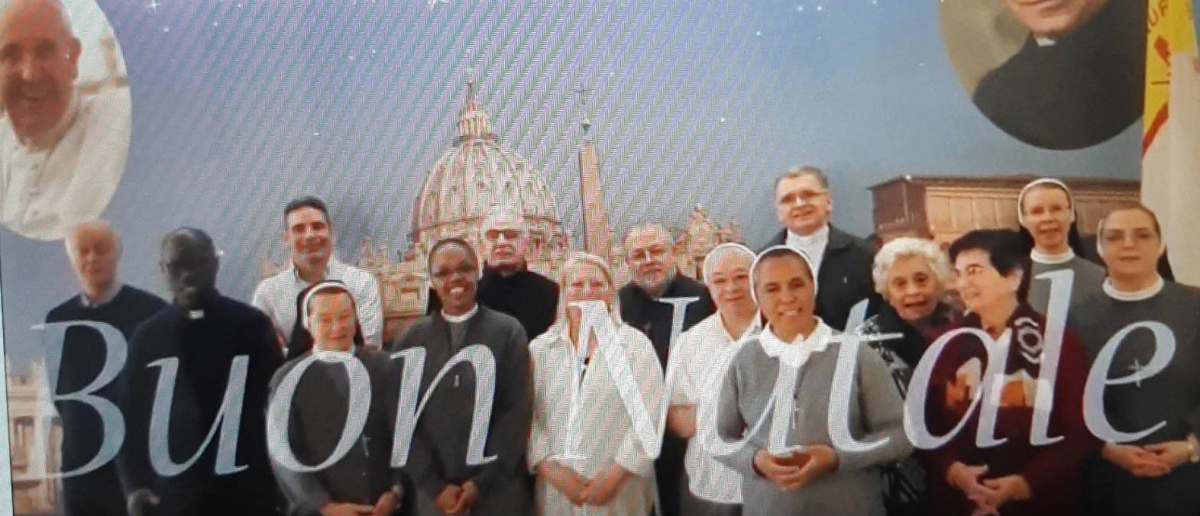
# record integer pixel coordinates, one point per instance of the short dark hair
(1005, 252)
(447, 242)
(307, 201)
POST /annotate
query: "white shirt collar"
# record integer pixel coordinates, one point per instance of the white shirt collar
(795, 353)
(1043, 41)
(104, 298)
(1139, 295)
(331, 270)
(818, 237)
(754, 328)
(461, 318)
(1051, 259)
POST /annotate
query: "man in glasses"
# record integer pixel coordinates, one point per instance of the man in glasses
(507, 285)
(437, 463)
(842, 261)
(650, 254)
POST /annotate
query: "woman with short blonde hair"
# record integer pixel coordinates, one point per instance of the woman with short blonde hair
(583, 448)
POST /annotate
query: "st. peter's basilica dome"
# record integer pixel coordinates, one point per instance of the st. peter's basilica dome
(476, 175)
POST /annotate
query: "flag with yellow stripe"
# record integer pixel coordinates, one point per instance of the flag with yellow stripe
(1171, 132)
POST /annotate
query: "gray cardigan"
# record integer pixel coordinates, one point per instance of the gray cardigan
(876, 411)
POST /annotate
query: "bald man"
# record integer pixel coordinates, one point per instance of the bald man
(94, 249)
(200, 345)
(61, 153)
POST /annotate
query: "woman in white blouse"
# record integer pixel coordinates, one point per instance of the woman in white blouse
(605, 470)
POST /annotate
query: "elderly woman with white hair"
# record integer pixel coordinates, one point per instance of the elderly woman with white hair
(583, 447)
(788, 370)
(913, 276)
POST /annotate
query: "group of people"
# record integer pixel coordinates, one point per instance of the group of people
(741, 372)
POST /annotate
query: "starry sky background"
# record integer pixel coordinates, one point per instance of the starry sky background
(241, 105)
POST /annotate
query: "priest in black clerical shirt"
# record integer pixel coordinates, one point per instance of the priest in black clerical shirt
(507, 285)
(437, 463)
(1079, 78)
(94, 250)
(201, 337)
(655, 276)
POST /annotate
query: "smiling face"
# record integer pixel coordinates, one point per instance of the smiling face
(802, 203)
(308, 233)
(1131, 244)
(981, 287)
(586, 281)
(913, 289)
(729, 283)
(38, 66)
(331, 320)
(783, 285)
(454, 272)
(1046, 214)
(1053, 18)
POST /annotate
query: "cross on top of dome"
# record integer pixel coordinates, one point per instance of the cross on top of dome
(473, 121)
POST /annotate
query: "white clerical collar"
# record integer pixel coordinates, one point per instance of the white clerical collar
(1137, 295)
(754, 328)
(1051, 259)
(795, 353)
(460, 318)
(818, 237)
(1043, 41)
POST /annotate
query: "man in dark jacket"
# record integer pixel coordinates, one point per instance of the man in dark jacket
(804, 203)
(656, 278)
(94, 250)
(507, 285)
(172, 465)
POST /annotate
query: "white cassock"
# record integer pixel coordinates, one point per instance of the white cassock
(43, 193)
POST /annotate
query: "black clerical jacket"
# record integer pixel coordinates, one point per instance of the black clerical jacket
(205, 349)
(655, 318)
(1084, 89)
(844, 279)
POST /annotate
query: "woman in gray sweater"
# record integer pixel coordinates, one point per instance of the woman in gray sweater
(783, 381)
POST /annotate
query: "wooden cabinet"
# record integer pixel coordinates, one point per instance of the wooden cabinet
(944, 207)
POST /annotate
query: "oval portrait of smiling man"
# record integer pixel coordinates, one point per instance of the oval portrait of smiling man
(65, 99)
(1056, 74)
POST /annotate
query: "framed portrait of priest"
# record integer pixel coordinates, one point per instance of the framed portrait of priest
(65, 122)
(1055, 74)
